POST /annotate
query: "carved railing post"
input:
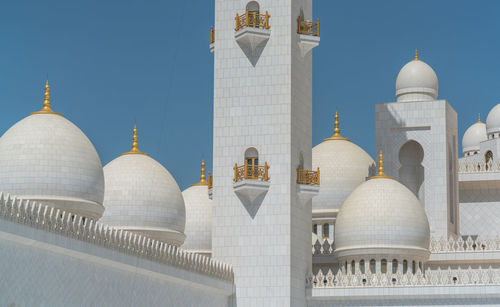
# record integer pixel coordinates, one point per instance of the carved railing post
(237, 22)
(246, 17)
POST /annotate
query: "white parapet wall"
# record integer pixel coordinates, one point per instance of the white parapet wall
(450, 287)
(53, 258)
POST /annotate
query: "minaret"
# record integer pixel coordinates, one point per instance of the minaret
(263, 119)
(418, 134)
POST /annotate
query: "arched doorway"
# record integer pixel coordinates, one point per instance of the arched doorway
(411, 172)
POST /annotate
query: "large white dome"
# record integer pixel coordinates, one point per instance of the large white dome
(382, 217)
(343, 166)
(416, 81)
(46, 158)
(141, 196)
(493, 121)
(198, 217)
(473, 136)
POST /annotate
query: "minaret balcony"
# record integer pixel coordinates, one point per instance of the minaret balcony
(252, 20)
(252, 31)
(251, 183)
(308, 35)
(307, 184)
(212, 39)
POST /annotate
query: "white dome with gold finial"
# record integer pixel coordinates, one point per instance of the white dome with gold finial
(198, 216)
(473, 137)
(142, 196)
(343, 166)
(46, 158)
(382, 218)
(416, 81)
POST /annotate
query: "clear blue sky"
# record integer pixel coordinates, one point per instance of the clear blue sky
(111, 63)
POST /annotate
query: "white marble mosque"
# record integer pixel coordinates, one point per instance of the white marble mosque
(417, 225)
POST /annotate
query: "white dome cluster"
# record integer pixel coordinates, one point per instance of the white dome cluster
(416, 81)
(141, 196)
(343, 166)
(198, 216)
(46, 158)
(382, 219)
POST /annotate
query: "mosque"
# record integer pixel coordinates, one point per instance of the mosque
(276, 222)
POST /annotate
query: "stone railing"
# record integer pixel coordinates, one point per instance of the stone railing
(467, 167)
(452, 245)
(449, 277)
(322, 247)
(73, 226)
(442, 245)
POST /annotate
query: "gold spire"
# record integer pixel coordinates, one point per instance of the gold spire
(203, 180)
(135, 145)
(479, 118)
(416, 55)
(336, 132)
(46, 102)
(381, 173)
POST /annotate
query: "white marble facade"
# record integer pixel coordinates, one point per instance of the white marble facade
(421, 230)
(262, 100)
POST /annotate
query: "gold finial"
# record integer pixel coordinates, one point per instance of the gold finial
(203, 180)
(46, 102)
(336, 131)
(381, 173)
(416, 55)
(135, 145)
(479, 118)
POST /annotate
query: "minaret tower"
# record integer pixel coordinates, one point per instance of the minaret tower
(262, 135)
(418, 135)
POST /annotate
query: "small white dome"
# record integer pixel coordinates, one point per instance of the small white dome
(473, 136)
(141, 196)
(382, 217)
(46, 158)
(493, 120)
(416, 81)
(343, 166)
(198, 217)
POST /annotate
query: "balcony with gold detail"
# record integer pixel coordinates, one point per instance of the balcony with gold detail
(308, 34)
(251, 183)
(307, 184)
(252, 31)
(210, 185)
(212, 39)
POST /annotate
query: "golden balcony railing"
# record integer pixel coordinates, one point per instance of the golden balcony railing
(307, 177)
(212, 35)
(210, 181)
(250, 171)
(307, 27)
(252, 19)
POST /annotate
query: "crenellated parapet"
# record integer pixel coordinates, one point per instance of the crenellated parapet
(437, 245)
(467, 167)
(77, 227)
(451, 244)
(430, 278)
